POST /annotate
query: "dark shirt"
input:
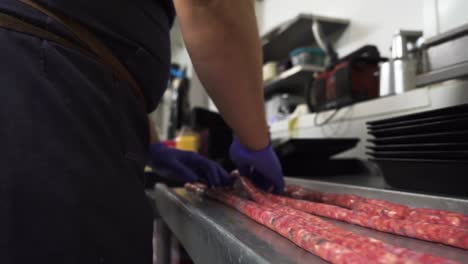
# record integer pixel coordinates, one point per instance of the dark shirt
(136, 30)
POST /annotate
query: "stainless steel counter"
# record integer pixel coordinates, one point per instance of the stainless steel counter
(214, 233)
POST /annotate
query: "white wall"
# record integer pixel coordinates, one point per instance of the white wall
(452, 13)
(443, 15)
(372, 21)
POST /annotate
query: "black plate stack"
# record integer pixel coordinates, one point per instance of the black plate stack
(426, 151)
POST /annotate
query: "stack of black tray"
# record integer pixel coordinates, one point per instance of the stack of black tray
(426, 151)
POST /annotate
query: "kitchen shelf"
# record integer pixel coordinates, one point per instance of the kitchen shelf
(295, 33)
(292, 80)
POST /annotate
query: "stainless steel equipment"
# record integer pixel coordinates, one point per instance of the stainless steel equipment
(399, 74)
(386, 79)
(445, 57)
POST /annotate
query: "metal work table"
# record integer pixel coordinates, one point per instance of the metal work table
(214, 233)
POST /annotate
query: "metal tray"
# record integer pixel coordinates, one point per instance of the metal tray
(435, 155)
(447, 137)
(418, 121)
(422, 147)
(454, 125)
(454, 110)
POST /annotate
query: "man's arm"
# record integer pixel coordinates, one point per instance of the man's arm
(223, 41)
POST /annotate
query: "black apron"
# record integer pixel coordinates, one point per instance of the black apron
(74, 141)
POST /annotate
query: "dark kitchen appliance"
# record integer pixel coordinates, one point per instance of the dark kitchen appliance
(351, 79)
(321, 148)
(202, 118)
(215, 136)
(311, 157)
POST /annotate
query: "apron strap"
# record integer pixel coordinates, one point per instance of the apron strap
(95, 45)
(18, 25)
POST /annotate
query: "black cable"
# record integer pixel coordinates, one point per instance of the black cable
(328, 119)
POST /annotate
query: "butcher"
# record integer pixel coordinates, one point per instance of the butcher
(78, 78)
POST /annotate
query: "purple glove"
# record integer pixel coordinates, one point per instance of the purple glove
(262, 167)
(187, 166)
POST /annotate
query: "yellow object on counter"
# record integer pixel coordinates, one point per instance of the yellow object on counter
(188, 142)
(294, 120)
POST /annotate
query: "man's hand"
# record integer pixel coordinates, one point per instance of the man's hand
(262, 166)
(187, 166)
(223, 42)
